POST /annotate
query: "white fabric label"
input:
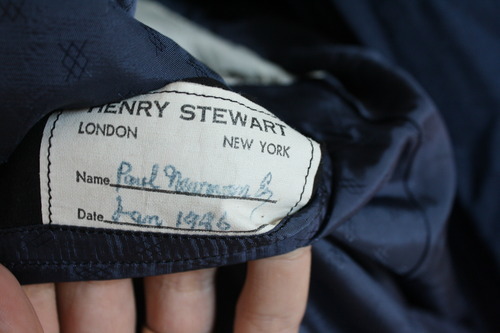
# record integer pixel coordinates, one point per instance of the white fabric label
(187, 159)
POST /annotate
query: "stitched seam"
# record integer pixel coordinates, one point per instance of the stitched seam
(141, 262)
(80, 263)
(27, 230)
(210, 96)
(305, 180)
(133, 234)
(49, 163)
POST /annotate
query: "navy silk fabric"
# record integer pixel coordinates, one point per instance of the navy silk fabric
(452, 48)
(395, 248)
(70, 54)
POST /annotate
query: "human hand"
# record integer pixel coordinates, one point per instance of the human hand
(273, 299)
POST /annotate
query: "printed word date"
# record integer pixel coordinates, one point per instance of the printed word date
(82, 214)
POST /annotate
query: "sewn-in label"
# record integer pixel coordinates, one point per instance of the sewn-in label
(188, 159)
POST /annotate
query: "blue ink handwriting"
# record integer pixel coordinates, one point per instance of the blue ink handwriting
(124, 177)
(205, 221)
(135, 215)
(172, 181)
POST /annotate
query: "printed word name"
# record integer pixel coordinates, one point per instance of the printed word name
(86, 178)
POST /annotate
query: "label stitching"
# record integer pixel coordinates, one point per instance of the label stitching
(162, 227)
(48, 166)
(285, 218)
(190, 230)
(305, 181)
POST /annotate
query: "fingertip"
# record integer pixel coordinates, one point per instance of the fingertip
(16, 312)
(180, 302)
(274, 296)
(96, 306)
(43, 299)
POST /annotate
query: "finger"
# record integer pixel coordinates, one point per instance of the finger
(43, 299)
(274, 296)
(180, 302)
(96, 306)
(16, 312)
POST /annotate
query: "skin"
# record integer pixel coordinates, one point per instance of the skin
(273, 300)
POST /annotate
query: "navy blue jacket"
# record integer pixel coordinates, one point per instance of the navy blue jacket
(399, 245)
